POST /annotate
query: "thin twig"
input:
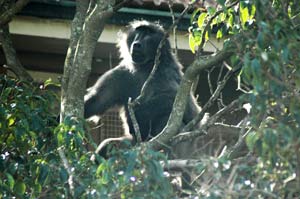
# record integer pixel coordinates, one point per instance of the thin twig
(210, 86)
(8, 14)
(170, 3)
(220, 100)
(137, 132)
(209, 103)
(203, 129)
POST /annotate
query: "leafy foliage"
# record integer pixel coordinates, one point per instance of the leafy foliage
(31, 167)
(271, 67)
(269, 55)
(227, 20)
(135, 173)
(26, 125)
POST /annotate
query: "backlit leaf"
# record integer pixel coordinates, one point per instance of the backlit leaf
(201, 19)
(192, 43)
(244, 15)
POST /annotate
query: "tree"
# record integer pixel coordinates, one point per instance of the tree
(261, 50)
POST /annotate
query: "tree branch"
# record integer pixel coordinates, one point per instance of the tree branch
(120, 5)
(69, 170)
(11, 56)
(181, 164)
(80, 59)
(228, 132)
(137, 132)
(76, 31)
(6, 16)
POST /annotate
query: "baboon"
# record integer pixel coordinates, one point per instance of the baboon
(138, 46)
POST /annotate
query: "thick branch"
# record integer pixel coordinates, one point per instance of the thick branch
(11, 56)
(72, 98)
(76, 31)
(181, 164)
(6, 16)
(137, 132)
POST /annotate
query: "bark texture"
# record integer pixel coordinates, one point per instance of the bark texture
(7, 10)
(87, 26)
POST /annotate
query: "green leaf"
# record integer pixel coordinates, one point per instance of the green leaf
(43, 173)
(221, 18)
(194, 15)
(211, 10)
(49, 82)
(207, 36)
(11, 181)
(260, 40)
(253, 11)
(192, 43)
(105, 178)
(37, 188)
(11, 121)
(270, 138)
(244, 15)
(60, 138)
(230, 20)
(256, 71)
(100, 169)
(20, 188)
(251, 140)
(219, 34)
(63, 174)
(201, 19)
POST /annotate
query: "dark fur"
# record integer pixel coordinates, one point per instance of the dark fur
(138, 47)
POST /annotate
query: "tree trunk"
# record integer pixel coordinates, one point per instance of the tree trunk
(87, 26)
(11, 56)
(7, 10)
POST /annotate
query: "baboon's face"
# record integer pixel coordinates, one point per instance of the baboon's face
(142, 44)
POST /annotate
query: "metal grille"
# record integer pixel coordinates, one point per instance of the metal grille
(110, 125)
